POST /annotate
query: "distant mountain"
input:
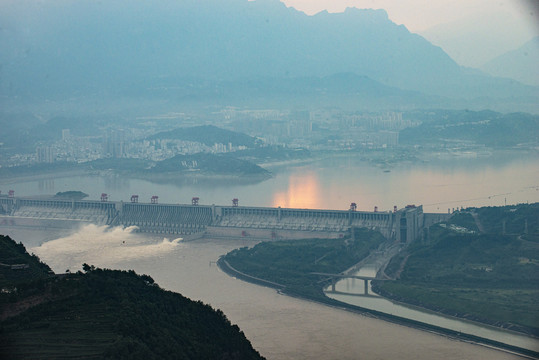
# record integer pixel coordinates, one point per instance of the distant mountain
(479, 36)
(520, 64)
(345, 90)
(21, 131)
(80, 48)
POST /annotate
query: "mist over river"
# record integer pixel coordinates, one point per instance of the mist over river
(331, 183)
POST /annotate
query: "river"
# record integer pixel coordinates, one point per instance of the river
(350, 290)
(281, 327)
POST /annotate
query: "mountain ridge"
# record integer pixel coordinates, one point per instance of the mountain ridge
(519, 64)
(86, 47)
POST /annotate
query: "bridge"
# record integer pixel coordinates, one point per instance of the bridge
(260, 223)
(345, 276)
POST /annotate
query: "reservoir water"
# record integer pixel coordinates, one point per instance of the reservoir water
(281, 327)
(332, 183)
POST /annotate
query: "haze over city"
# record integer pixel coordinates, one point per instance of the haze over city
(334, 179)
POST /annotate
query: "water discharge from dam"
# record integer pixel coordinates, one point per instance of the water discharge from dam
(101, 246)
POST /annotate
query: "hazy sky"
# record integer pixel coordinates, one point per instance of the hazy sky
(471, 31)
(420, 15)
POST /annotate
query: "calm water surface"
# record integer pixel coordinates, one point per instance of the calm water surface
(333, 183)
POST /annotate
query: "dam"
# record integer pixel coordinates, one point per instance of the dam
(194, 220)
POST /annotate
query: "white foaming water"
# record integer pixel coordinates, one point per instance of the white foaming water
(101, 246)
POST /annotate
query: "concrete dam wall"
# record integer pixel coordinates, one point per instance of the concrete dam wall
(403, 225)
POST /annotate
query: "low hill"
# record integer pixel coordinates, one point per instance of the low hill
(200, 164)
(480, 127)
(208, 135)
(101, 313)
(209, 164)
(17, 267)
(517, 219)
(267, 154)
(288, 264)
(468, 267)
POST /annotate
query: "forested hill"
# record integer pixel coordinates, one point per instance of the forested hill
(101, 313)
(483, 264)
(210, 164)
(208, 135)
(488, 128)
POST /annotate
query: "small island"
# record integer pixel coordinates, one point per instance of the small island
(70, 195)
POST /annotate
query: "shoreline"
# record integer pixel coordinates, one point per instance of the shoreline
(373, 158)
(157, 178)
(517, 329)
(7, 180)
(230, 271)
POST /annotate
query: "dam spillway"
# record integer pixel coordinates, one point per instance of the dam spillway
(165, 218)
(261, 223)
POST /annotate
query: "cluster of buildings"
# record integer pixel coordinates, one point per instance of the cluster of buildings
(161, 149)
(330, 130)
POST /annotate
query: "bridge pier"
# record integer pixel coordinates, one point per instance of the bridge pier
(366, 284)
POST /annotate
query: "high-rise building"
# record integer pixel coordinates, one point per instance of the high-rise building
(114, 143)
(45, 154)
(66, 134)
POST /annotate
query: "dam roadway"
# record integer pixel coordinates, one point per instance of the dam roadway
(192, 221)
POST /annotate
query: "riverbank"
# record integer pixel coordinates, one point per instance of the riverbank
(231, 271)
(163, 178)
(488, 277)
(446, 312)
(15, 179)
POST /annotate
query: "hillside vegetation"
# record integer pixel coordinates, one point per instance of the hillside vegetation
(70, 195)
(289, 264)
(199, 164)
(101, 313)
(490, 276)
(209, 164)
(208, 135)
(12, 255)
(485, 128)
